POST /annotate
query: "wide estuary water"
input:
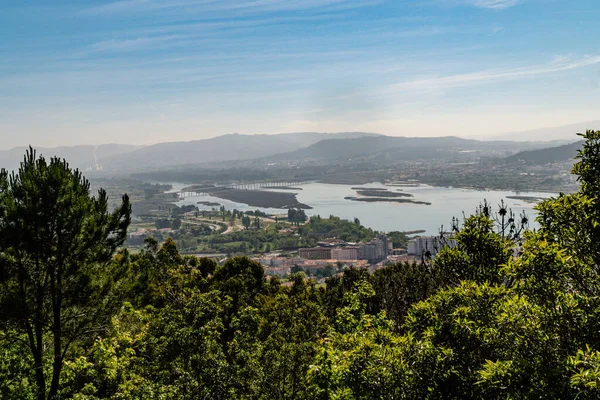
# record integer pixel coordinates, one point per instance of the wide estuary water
(327, 199)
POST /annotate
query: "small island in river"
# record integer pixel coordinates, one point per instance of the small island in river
(378, 195)
(209, 203)
(386, 199)
(253, 198)
(381, 193)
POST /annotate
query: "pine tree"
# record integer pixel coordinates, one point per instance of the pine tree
(56, 242)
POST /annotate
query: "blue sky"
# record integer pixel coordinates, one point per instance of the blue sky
(147, 71)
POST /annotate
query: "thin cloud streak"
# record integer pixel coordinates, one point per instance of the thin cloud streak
(489, 76)
(228, 6)
(494, 4)
(182, 39)
(127, 45)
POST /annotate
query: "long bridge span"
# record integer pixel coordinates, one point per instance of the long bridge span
(265, 184)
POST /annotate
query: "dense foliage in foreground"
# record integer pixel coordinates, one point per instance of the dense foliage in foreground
(478, 322)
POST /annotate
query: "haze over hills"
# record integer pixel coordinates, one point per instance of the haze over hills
(565, 133)
(326, 147)
(562, 153)
(83, 157)
(401, 148)
(303, 147)
(110, 157)
(223, 148)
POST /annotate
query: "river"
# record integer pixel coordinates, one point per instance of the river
(328, 199)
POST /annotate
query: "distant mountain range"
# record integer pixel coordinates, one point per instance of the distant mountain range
(290, 147)
(232, 147)
(399, 148)
(549, 155)
(113, 157)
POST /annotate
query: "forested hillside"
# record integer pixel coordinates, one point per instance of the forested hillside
(505, 314)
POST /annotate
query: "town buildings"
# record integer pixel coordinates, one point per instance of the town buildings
(345, 253)
(429, 245)
(316, 253)
(374, 251)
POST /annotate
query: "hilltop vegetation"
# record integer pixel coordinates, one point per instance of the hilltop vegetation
(505, 314)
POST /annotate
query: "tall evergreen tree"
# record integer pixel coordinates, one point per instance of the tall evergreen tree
(55, 242)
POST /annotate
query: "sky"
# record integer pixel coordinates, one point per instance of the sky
(148, 71)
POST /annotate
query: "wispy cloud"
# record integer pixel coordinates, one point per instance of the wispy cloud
(235, 33)
(229, 6)
(127, 45)
(130, 6)
(495, 29)
(559, 64)
(493, 4)
(226, 26)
